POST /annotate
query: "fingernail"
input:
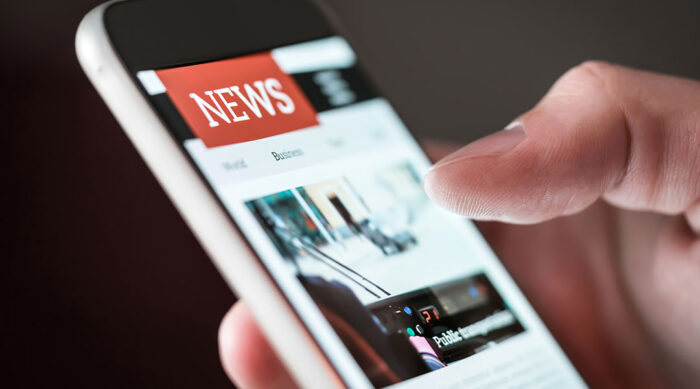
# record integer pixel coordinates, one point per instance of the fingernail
(494, 144)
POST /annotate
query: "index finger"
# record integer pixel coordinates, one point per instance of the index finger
(602, 131)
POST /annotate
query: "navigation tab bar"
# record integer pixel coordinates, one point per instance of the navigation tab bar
(343, 132)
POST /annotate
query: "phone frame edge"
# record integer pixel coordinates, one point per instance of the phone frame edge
(210, 224)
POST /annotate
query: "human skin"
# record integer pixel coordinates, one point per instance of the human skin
(591, 200)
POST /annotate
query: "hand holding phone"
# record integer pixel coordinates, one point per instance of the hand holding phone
(570, 248)
(306, 189)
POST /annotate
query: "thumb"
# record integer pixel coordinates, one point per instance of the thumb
(601, 131)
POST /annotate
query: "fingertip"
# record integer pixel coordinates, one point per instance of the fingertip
(460, 182)
(445, 186)
(433, 185)
(429, 183)
(517, 177)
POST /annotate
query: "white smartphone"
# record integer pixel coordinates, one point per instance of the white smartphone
(304, 186)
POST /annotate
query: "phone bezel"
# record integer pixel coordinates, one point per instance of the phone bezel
(210, 33)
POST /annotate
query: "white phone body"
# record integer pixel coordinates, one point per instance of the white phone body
(198, 206)
(318, 361)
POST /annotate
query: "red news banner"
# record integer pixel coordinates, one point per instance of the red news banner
(238, 100)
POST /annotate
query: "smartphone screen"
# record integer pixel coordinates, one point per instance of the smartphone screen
(324, 180)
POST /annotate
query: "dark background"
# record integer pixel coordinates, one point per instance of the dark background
(102, 283)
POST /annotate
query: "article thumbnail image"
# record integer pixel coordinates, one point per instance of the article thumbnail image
(365, 222)
(361, 245)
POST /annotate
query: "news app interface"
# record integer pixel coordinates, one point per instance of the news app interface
(325, 182)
